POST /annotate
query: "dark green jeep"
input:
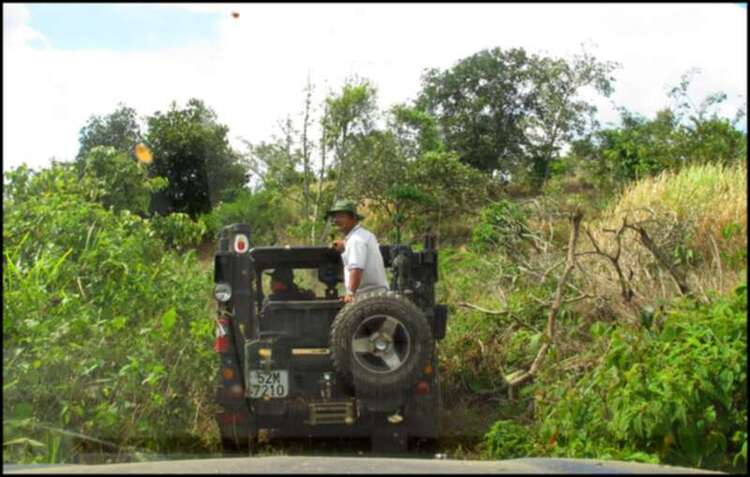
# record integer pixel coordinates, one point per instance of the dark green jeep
(317, 368)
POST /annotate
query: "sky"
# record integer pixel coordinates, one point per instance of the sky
(63, 63)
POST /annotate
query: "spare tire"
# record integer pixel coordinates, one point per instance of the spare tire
(381, 343)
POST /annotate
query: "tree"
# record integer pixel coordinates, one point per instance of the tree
(479, 104)
(709, 137)
(681, 134)
(274, 162)
(558, 115)
(416, 130)
(507, 110)
(307, 147)
(119, 180)
(446, 190)
(350, 116)
(119, 130)
(192, 151)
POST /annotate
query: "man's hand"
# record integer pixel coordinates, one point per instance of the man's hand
(347, 298)
(338, 245)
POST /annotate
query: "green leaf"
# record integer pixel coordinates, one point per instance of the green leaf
(23, 440)
(23, 410)
(168, 319)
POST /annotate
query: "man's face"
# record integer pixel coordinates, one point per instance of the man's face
(344, 221)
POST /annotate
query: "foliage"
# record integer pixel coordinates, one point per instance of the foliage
(274, 164)
(509, 110)
(680, 135)
(349, 116)
(479, 347)
(192, 151)
(121, 181)
(479, 103)
(707, 201)
(383, 179)
(416, 130)
(79, 359)
(455, 190)
(676, 393)
(178, 231)
(558, 115)
(119, 129)
(263, 211)
(507, 439)
(501, 224)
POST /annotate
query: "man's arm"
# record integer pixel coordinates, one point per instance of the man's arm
(355, 278)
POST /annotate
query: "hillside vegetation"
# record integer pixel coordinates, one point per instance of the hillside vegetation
(659, 377)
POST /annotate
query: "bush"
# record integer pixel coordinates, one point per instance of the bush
(262, 211)
(178, 230)
(697, 219)
(106, 333)
(509, 440)
(119, 180)
(711, 196)
(644, 147)
(502, 224)
(674, 394)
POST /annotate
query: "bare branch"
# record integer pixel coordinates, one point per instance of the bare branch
(627, 291)
(677, 274)
(552, 315)
(717, 257)
(499, 313)
(484, 310)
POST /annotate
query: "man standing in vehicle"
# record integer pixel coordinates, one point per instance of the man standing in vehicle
(364, 270)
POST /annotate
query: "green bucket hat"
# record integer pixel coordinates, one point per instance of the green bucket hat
(344, 205)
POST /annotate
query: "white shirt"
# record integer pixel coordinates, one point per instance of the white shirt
(361, 250)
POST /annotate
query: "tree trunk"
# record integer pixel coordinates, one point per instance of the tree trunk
(306, 154)
(323, 149)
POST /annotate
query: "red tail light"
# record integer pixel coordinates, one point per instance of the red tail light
(222, 343)
(231, 418)
(422, 388)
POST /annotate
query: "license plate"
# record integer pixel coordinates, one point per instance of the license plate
(269, 384)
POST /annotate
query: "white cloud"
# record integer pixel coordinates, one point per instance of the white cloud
(16, 32)
(254, 74)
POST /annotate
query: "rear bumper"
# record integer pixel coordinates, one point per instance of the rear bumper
(298, 418)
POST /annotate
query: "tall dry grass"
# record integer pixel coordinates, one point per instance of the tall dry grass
(697, 218)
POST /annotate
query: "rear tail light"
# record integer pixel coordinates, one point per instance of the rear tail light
(222, 344)
(229, 418)
(422, 388)
(236, 391)
(241, 244)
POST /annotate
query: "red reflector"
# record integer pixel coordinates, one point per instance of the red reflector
(240, 243)
(231, 418)
(422, 388)
(221, 345)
